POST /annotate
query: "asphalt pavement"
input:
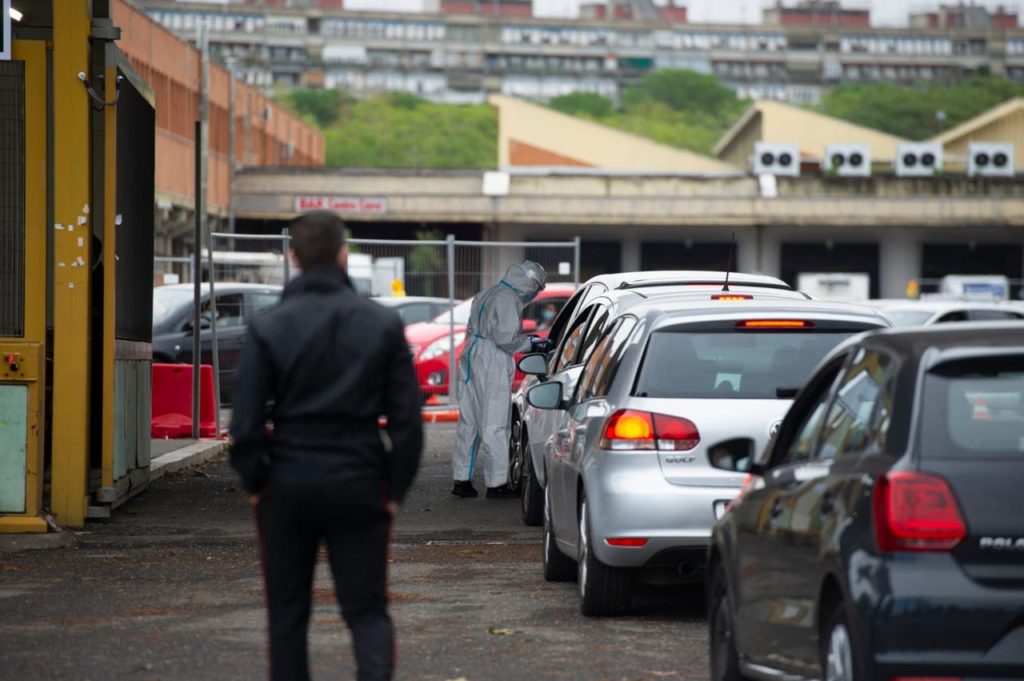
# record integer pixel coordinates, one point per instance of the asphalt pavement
(170, 588)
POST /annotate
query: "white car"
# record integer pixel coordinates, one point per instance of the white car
(940, 311)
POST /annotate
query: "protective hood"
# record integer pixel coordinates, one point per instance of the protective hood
(527, 278)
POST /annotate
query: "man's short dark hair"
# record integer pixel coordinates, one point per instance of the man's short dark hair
(317, 237)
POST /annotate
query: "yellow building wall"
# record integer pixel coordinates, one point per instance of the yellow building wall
(1009, 128)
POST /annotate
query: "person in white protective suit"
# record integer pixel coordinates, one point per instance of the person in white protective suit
(494, 335)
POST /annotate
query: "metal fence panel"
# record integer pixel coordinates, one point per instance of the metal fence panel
(448, 268)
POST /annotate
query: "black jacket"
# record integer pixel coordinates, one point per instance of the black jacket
(322, 366)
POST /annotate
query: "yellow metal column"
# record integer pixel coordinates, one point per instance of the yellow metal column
(72, 260)
(30, 349)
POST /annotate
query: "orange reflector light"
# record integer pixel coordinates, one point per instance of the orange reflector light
(774, 324)
(628, 542)
(731, 296)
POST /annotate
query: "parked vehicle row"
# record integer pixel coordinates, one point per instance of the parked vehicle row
(847, 491)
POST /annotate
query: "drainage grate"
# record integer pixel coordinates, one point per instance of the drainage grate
(12, 199)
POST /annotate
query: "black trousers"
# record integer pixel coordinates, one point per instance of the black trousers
(293, 518)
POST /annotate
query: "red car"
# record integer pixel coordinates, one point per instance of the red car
(429, 341)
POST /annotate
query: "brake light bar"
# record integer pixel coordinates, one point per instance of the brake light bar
(631, 429)
(916, 512)
(731, 296)
(775, 324)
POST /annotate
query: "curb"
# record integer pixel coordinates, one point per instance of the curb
(186, 457)
(441, 416)
(12, 543)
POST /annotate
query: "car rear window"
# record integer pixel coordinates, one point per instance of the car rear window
(974, 409)
(732, 364)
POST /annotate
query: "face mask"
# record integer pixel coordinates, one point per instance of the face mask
(547, 315)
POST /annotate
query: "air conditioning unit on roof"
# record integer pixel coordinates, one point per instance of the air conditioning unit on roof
(918, 159)
(776, 159)
(847, 160)
(990, 159)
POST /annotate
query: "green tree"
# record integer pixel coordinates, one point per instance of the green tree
(323, 107)
(684, 90)
(910, 111)
(585, 104)
(426, 265)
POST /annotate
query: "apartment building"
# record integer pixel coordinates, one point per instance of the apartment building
(467, 57)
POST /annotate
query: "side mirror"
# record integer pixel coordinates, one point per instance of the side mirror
(735, 456)
(545, 395)
(204, 324)
(534, 364)
(529, 325)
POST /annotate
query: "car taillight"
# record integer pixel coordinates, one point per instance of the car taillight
(762, 324)
(916, 512)
(632, 429)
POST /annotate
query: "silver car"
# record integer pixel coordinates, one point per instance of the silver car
(575, 332)
(629, 491)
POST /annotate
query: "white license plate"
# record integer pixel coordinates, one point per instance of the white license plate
(720, 507)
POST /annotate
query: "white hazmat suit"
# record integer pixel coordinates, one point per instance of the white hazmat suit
(486, 368)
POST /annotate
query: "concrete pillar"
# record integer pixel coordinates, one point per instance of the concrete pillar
(899, 262)
(630, 254)
(770, 252)
(747, 251)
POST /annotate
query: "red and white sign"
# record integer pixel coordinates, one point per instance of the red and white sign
(363, 205)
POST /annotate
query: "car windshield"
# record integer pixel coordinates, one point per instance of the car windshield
(460, 311)
(168, 302)
(974, 409)
(731, 364)
(908, 317)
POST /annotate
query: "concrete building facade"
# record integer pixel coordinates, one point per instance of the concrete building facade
(466, 58)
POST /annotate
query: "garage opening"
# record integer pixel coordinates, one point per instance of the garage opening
(830, 257)
(1003, 258)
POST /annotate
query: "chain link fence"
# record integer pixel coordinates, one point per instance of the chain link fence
(421, 278)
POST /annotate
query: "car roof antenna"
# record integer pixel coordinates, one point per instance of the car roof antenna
(732, 256)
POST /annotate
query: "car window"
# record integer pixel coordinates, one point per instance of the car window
(604, 363)
(994, 315)
(596, 327)
(730, 364)
(544, 312)
(569, 349)
(974, 409)
(416, 312)
(566, 315)
(955, 316)
(229, 310)
(797, 440)
(848, 426)
(262, 300)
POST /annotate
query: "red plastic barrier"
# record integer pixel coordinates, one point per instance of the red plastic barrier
(172, 401)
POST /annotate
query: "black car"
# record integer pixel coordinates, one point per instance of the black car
(881, 533)
(173, 321)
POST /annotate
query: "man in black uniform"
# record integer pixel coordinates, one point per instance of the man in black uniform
(321, 367)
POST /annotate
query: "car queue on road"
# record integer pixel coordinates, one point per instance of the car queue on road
(845, 490)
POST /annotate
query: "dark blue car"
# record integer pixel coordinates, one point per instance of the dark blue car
(881, 534)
